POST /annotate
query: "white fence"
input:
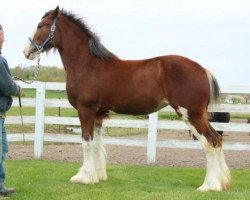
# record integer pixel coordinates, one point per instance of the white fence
(152, 124)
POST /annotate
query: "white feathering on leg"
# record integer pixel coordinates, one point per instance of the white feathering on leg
(218, 175)
(100, 154)
(87, 173)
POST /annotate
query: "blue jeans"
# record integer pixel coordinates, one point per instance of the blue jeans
(3, 151)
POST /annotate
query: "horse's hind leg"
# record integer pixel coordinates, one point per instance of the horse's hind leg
(217, 175)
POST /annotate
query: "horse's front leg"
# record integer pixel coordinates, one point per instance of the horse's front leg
(100, 152)
(87, 174)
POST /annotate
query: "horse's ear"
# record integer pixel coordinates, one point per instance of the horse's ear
(56, 11)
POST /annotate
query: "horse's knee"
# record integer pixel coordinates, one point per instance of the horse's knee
(87, 137)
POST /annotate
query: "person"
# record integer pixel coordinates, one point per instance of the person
(8, 88)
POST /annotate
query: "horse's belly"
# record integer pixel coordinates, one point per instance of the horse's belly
(140, 108)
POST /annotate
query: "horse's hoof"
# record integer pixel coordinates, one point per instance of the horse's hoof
(205, 188)
(75, 179)
(103, 177)
(83, 179)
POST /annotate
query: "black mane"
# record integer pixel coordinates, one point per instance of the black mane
(95, 45)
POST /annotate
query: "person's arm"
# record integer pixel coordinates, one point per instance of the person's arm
(7, 86)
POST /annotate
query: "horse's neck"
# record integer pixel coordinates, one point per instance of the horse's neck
(74, 59)
(74, 49)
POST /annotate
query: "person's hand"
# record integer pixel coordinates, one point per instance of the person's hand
(20, 93)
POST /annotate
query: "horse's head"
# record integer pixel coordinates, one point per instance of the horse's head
(43, 39)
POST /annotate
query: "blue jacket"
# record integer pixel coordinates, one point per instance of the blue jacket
(8, 87)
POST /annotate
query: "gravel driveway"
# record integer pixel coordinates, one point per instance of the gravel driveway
(138, 155)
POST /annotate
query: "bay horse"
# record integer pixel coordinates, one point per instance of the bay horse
(98, 82)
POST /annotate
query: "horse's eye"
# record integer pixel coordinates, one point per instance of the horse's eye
(39, 26)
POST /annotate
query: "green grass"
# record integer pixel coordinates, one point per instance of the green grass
(28, 93)
(120, 132)
(29, 111)
(240, 115)
(31, 93)
(40, 179)
(30, 128)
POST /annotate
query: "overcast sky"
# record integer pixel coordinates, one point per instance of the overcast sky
(214, 33)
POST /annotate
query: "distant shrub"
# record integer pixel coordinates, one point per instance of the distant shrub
(46, 74)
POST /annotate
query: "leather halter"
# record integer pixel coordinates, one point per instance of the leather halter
(40, 48)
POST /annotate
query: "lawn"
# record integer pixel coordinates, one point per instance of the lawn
(40, 179)
(31, 93)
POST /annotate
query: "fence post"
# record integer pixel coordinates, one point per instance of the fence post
(152, 137)
(39, 123)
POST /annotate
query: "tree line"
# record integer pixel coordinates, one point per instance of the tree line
(46, 73)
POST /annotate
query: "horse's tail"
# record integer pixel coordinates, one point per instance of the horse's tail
(214, 88)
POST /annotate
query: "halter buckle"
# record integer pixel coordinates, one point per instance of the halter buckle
(53, 28)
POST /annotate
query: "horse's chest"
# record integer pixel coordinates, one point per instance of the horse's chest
(73, 93)
(80, 94)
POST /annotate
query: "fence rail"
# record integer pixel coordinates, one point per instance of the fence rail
(152, 123)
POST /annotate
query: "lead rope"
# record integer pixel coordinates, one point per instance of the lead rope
(27, 82)
(36, 73)
(21, 113)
